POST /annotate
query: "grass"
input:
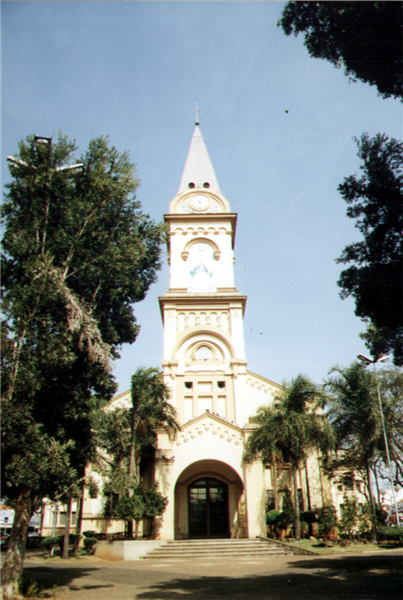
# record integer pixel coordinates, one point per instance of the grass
(354, 547)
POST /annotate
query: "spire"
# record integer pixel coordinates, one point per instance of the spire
(198, 168)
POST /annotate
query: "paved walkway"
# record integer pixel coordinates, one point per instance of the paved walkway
(375, 576)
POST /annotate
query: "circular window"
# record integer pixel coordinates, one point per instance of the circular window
(204, 353)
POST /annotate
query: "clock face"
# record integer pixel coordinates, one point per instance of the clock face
(199, 202)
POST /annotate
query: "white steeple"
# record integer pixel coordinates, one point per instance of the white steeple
(198, 168)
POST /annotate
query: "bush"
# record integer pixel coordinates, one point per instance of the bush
(74, 540)
(89, 544)
(272, 516)
(49, 544)
(327, 520)
(90, 534)
(287, 516)
(390, 534)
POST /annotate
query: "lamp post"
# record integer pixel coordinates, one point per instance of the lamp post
(368, 361)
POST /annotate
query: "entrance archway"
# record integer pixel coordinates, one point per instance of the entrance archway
(208, 510)
(209, 501)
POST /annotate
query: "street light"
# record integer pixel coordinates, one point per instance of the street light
(45, 143)
(368, 361)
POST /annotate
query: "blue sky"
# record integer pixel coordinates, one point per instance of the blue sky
(133, 70)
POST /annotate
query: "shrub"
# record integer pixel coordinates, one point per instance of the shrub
(272, 516)
(326, 520)
(89, 544)
(49, 544)
(390, 534)
(287, 516)
(349, 520)
(90, 533)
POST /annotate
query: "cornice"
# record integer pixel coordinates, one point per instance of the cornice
(186, 300)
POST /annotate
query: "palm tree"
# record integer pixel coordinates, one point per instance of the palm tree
(125, 434)
(150, 410)
(290, 428)
(356, 421)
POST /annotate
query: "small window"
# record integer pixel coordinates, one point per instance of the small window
(221, 384)
(340, 488)
(206, 184)
(191, 185)
(188, 385)
(270, 504)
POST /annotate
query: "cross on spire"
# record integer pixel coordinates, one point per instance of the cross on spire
(197, 112)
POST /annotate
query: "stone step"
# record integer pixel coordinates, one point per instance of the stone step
(214, 548)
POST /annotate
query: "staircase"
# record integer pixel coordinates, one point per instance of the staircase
(215, 548)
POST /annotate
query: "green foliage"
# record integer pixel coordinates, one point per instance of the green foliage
(327, 520)
(49, 543)
(375, 276)
(73, 540)
(155, 502)
(78, 253)
(272, 517)
(90, 534)
(131, 508)
(363, 37)
(287, 515)
(366, 519)
(354, 415)
(141, 505)
(350, 519)
(89, 544)
(92, 487)
(291, 427)
(394, 534)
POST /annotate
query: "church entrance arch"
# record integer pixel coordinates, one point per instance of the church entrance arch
(208, 512)
(209, 501)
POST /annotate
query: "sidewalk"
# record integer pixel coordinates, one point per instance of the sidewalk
(359, 577)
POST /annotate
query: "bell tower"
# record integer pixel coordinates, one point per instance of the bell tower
(204, 354)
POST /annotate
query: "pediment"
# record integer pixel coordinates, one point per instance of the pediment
(211, 418)
(209, 423)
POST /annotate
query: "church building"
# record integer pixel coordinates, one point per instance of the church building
(212, 490)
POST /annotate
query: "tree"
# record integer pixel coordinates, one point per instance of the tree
(292, 426)
(78, 253)
(390, 383)
(126, 434)
(355, 418)
(375, 277)
(365, 38)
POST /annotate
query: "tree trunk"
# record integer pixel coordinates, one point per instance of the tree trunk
(296, 505)
(302, 490)
(137, 529)
(320, 478)
(65, 553)
(308, 493)
(274, 475)
(130, 529)
(13, 564)
(80, 506)
(377, 485)
(371, 499)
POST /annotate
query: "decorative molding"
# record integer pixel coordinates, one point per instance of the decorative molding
(201, 240)
(212, 428)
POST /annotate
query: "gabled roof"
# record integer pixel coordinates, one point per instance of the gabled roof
(209, 416)
(198, 168)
